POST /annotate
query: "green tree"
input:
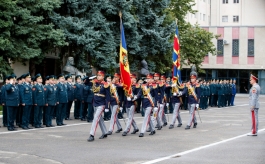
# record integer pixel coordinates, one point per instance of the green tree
(26, 31)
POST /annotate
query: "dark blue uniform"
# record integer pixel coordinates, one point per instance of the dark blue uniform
(233, 92)
(220, 89)
(39, 101)
(62, 98)
(50, 95)
(12, 103)
(27, 102)
(70, 94)
(20, 109)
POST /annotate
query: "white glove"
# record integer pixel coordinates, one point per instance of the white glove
(134, 97)
(129, 99)
(167, 104)
(173, 85)
(121, 108)
(174, 94)
(197, 105)
(180, 94)
(92, 77)
(106, 110)
(155, 109)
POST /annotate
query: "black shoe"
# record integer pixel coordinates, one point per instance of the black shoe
(83, 119)
(179, 125)
(63, 124)
(103, 136)
(29, 127)
(156, 126)
(76, 118)
(48, 126)
(5, 125)
(124, 134)
(37, 127)
(89, 120)
(66, 118)
(41, 126)
(141, 134)
(171, 126)
(90, 139)
(119, 130)
(51, 126)
(10, 129)
(195, 125)
(59, 125)
(148, 130)
(159, 128)
(109, 133)
(165, 124)
(187, 127)
(25, 128)
(153, 132)
(135, 131)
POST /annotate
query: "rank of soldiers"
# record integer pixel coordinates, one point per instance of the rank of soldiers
(36, 101)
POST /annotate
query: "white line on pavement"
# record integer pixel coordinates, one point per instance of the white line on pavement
(196, 149)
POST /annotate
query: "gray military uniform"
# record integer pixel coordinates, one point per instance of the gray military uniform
(254, 103)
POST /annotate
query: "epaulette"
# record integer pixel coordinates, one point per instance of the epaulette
(154, 85)
(106, 85)
(137, 85)
(161, 84)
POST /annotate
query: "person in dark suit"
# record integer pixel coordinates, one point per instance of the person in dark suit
(70, 94)
(78, 97)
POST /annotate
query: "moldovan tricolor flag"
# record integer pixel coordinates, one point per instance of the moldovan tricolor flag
(176, 57)
(124, 65)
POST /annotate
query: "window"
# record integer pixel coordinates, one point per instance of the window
(200, 16)
(235, 18)
(235, 47)
(203, 17)
(225, 1)
(251, 47)
(220, 47)
(225, 18)
(236, 1)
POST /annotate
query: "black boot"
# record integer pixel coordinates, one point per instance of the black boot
(90, 139)
(103, 136)
(135, 131)
(195, 125)
(141, 135)
(179, 125)
(187, 127)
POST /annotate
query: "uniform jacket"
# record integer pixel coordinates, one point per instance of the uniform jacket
(50, 94)
(61, 93)
(70, 92)
(78, 91)
(254, 96)
(101, 93)
(197, 91)
(11, 95)
(38, 95)
(26, 94)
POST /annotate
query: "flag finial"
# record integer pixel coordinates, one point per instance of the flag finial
(120, 14)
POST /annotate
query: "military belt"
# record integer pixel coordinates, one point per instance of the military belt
(98, 94)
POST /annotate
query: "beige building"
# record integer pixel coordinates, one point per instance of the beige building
(241, 26)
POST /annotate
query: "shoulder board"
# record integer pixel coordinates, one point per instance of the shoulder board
(197, 85)
(106, 85)
(161, 84)
(254, 90)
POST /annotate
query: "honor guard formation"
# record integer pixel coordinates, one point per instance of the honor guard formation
(26, 101)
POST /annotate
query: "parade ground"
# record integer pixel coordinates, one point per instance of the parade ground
(221, 138)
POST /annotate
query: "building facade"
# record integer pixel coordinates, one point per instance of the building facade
(241, 26)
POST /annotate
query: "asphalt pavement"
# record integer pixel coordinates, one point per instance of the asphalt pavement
(220, 138)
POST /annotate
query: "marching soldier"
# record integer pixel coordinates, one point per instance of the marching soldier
(176, 101)
(130, 107)
(101, 91)
(26, 100)
(78, 97)
(115, 103)
(254, 104)
(11, 101)
(62, 100)
(165, 103)
(39, 101)
(70, 94)
(233, 92)
(149, 91)
(194, 98)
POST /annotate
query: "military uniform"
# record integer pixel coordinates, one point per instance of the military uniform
(50, 94)
(254, 93)
(233, 92)
(149, 91)
(220, 90)
(20, 109)
(193, 99)
(39, 101)
(27, 102)
(101, 91)
(62, 101)
(130, 108)
(12, 103)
